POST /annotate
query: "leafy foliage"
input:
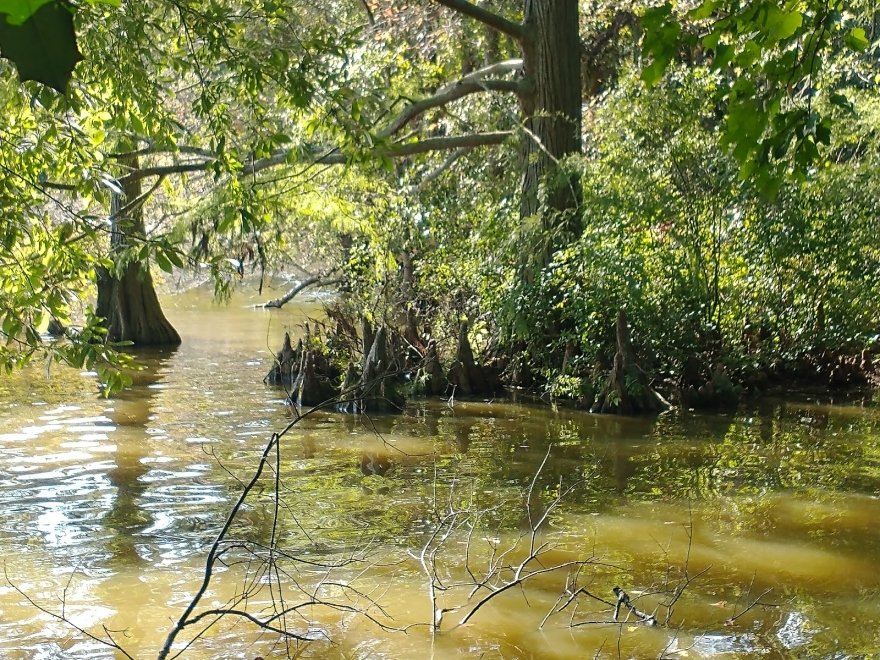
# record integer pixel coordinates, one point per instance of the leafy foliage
(772, 56)
(38, 36)
(707, 267)
(728, 205)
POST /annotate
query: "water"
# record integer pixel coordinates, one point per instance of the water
(109, 508)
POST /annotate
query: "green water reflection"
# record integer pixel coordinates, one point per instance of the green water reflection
(125, 495)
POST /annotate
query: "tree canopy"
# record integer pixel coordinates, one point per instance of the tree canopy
(708, 167)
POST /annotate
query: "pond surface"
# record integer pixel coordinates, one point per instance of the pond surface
(762, 526)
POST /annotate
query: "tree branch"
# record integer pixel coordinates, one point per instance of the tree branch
(336, 157)
(137, 201)
(449, 142)
(448, 162)
(331, 156)
(472, 83)
(494, 69)
(165, 170)
(493, 20)
(319, 280)
(369, 11)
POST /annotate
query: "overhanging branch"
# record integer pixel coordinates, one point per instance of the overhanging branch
(440, 169)
(166, 170)
(336, 157)
(449, 142)
(332, 156)
(472, 83)
(493, 20)
(322, 279)
(494, 69)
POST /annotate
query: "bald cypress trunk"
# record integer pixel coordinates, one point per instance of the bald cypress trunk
(551, 108)
(127, 302)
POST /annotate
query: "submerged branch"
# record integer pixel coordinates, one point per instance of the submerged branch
(314, 280)
(755, 602)
(184, 619)
(624, 601)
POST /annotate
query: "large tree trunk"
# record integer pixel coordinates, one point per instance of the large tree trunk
(552, 114)
(128, 303)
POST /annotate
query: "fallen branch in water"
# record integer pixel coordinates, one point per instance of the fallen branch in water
(624, 601)
(322, 279)
(262, 569)
(501, 573)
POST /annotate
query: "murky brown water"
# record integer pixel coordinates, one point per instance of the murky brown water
(109, 506)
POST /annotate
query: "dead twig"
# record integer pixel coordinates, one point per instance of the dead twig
(109, 641)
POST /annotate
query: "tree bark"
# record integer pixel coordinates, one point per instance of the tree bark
(128, 302)
(628, 390)
(550, 103)
(552, 117)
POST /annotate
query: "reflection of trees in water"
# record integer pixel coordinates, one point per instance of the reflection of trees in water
(690, 455)
(131, 411)
(766, 448)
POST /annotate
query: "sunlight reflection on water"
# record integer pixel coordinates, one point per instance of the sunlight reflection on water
(118, 499)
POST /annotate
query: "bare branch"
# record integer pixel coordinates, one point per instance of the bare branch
(623, 600)
(138, 201)
(448, 93)
(165, 170)
(448, 162)
(152, 149)
(493, 20)
(109, 642)
(449, 142)
(314, 280)
(332, 156)
(756, 601)
(494, 69)
(336, 157)
(185, 619)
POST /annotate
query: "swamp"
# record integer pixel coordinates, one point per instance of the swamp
(439, 328)
(109, 506)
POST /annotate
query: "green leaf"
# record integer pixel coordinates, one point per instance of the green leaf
(781, 25)
(749, 54)
(279, 59)
(823, 132)
(654, 71)
(174, 257)
(711, 40)
(654, 17)
(841, 101)
(43, 47)
(723, 55)
(857, 40)
(18, 11)
(703, 10)
(163, 262)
